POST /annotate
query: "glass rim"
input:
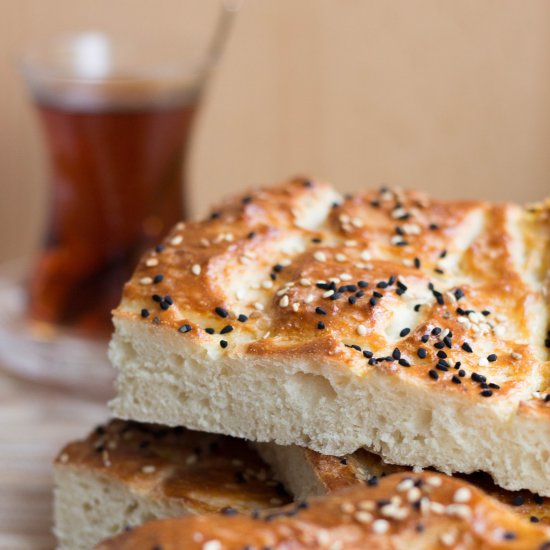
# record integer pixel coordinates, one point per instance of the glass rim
(38, 61)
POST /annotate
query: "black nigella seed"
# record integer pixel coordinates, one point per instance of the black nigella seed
(223, 343)
(404, 332)
(221, 312)
(277, 268)
(509, 536)
(320, 325)
(184, 328)
(373, 301)
(439, 345)
(417, 263)
(447, 341)
(247, 200)
(382, 284)
(422, 353)
(441, 354)
(359, 294)
(362, 284)
(377, 294)
(228, 511)
(367, 354)
(159, 248)
(485, 312)
(433, 226)
(156, 298)
(158, 278)
(404, 363)
(518, 501)
(242, 318)
(336, 296)
(168, 300)
(145, 313)
(467, 347)
(433, 374)
(320, 311)
(462, 373)
(492, 357)
(425, 338)
(455, 379)
(494, 386)
(436, 331)
(396, 354)
(442, 366)
(459, 293)
(251, 235)
(486, 393)
(316, 240)
(226, 329)
(534, 519)
(164, 305)
(209, 330)
(538, 499)
(352, 299)
(372, 481)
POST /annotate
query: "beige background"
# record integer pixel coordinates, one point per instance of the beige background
(448, 95)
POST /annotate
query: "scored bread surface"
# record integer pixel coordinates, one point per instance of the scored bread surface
(405, 510)
(390, 320)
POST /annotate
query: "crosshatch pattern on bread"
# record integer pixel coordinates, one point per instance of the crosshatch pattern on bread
(406, 510)
(412, 326)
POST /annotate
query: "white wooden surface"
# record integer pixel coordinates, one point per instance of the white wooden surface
(34, 423)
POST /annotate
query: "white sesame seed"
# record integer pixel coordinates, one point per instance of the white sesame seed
(347, 507)
(398, 213)
(515, 355)
(483, 362)
(196, 269)
(366, 255)
(259, 306)
(340, 257)
(305, 282)
(244, 260)
(319, 256)
(396, 239)
(368, 505)
(437, 508)
(148, 469)
(178, 239)
(408, 263)
(267, 284)
(284, 301)
(328, 293)
(361, 330)
(499, 331)
(351, 243)
(414, 494)
(405, 485)
(462, 495)
(345, 277)
(460, 511)
(212, 545)
(344, 218)
(380, 526)
(285, 262)
(295, 306)
(357, 222)
(363, 517)
(309, 298)
(151, 262)
(448, 539)
(146, 281)
(434, 481)
(205, 242)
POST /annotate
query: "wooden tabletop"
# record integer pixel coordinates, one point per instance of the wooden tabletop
(35, 422)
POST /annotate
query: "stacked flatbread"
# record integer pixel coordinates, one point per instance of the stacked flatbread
(336, 335)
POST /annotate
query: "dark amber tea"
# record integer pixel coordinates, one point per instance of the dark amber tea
(116, 188)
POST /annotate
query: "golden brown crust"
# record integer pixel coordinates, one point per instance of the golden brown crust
(198, 471)
(424, 510)
(462, 275)
(336, 473)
